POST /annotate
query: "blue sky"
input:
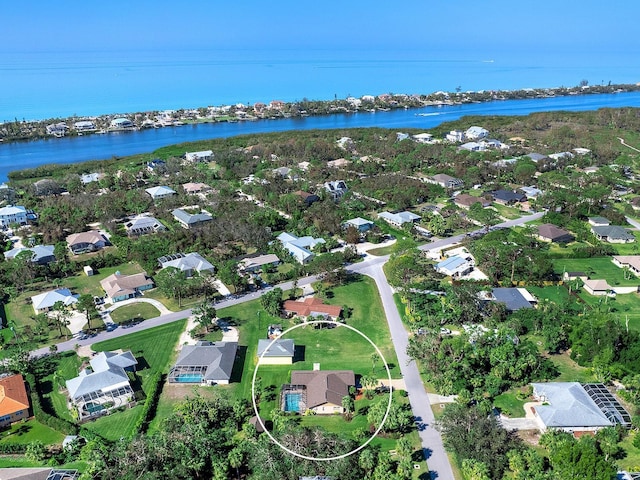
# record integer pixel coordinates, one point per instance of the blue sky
(348, 24)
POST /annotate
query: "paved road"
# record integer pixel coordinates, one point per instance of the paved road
(432, 445)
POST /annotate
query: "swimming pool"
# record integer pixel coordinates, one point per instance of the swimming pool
(292, 402)
(189, 378)
(93, 407)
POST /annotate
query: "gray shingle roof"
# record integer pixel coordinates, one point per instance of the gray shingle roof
(511, 297)
(218, 357)
(280, 348)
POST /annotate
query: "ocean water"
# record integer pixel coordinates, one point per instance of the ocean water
(42, 85)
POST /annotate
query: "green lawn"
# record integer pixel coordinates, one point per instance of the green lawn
(595, 268)
(509, 404)
(135, 311)
(65, 367)
(631, 462)
(556, 293)
(117, 424)
(27, 432)
(621, 307)
(172, 303)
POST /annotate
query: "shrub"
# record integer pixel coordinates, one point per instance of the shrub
(150, 404)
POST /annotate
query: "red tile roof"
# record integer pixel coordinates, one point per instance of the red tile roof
(310, 306)
(13, 395)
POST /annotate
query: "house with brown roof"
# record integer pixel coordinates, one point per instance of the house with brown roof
(14, 401)
(306, 197)
(632, 262)
(120, 287)
(85, 242)
(550, 233)
(446, 181)
(466, 201)
(597, 287)
(317, 390)
(195, 187)
(312, 306)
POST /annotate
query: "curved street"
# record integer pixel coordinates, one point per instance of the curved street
(432, 445)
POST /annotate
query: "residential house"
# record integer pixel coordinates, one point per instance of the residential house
(312, 307)
(550, 233)
(531, 192)
(508, 197)
(280, 353)
(85, 242)
(103, 387)
(207, 363)
(191, 220)
(143, 224)
(158, 193)
(577, 408)
(299, 247)
(570, 276)
(84, 126)
(190, 264)
(255, 264)
(401, 136)
(195, 157)
(336, 188)
(514, 298)
(472, 147)
(195, 187)
(120, 287)
(561, 155)
(423, 138)
(465, 201)
(306, 197)
(632, 262)
(598, 221)
(581, 151)
(122, 124)
(339, 163)
(360, 224)
(13, 214)
(44, 302)
(455, 266)
(399, 219)
(475, 133)
(317, 390)
(446, 181)
(40, 254)
(536, 157)
(14, 400)
(613, 234)
(156, 166)
(86, 178)
(597, 287)
(59, 129)
(282, 172)
(455, 136)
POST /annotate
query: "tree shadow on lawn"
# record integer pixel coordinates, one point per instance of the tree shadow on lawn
(238, 365)
(18, 432)
(142, 363)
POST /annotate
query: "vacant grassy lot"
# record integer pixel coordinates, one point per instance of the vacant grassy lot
(172, 303)
(596, 268)
(621, 307)
(135, 311)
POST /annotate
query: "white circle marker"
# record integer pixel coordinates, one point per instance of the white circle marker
(299, 455)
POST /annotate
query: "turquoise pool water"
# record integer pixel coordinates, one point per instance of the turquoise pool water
(92, 407)
(292, 402)
(189, 378)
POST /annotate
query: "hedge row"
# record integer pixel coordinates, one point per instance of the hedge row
(13, 447)
(43, 417)
(150, 404)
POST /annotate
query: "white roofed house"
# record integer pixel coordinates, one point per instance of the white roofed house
(299, 247)
(44, 302)
(191, 263)
(104, 386)
(360, 224)
(84, 126)
(254, 264)
(399, 219)
(336, 188)
(122, 123)
(475, 133)
(143, 224)
(158, 193)
(40, 254)
(13, 214)
(203, 156)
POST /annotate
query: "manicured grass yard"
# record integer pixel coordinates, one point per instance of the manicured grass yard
(172, 303)
(631, 461)
(116, 425)
(595, 268)
(509, 404)
(29, 431)
(557, 293)
(135, 311)
(621, 307)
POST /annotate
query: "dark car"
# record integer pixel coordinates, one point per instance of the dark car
(111, 327)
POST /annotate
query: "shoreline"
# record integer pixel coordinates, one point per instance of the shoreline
(24, 131)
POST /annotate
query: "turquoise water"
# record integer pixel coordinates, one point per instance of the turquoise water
(189, 378)
(58, 83)
(92, 407)
(292, 402)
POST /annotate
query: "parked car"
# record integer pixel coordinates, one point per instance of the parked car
(111, 327)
